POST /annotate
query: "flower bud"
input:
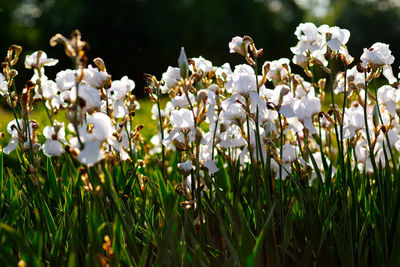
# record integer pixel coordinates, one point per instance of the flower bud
(375, 115)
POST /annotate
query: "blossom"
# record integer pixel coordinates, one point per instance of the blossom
(289, 153)
(355, 80)
(336, 38)
(117, 92)
(244, 79)
(97, 130)
(311, 43)
(278, 69)
(39, 59)
(181, 119)
(170, 79)
(13, 131)
(66, 79)
(388, 96)
(202, 64)
(186, 166)
(18, 136)
(239, 46)
(379, 55)
(94, 77)
(89, 95)
(3, 85)
(54, 135)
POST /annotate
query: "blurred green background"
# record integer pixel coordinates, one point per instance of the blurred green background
(144, 36)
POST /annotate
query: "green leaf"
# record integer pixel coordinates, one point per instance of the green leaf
(51, 176)
(49, 218)
(252, 259)
(1, 171)
(395, 255)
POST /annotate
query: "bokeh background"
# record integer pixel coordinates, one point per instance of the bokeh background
(144, 36)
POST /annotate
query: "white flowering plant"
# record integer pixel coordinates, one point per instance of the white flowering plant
(251, 165)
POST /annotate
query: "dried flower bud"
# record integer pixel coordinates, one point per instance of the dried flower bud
(13, 73)
(202, 95)
(322, 84)
(100, 64)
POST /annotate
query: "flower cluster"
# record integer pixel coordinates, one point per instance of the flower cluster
(99, 110)
(256, 115)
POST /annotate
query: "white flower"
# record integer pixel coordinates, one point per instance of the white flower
(32, 60)
(353, 121)
(310, 42)
(244, 80)
(92, 153)
(378, 55)
(49, 89)
(182, 118)
(336, 38)
(117, 92)
(118, 147)
(388, 96)
(52, 148)
(97, 130)
(3, 85)
(119, 89)
(94, 77)
(239, 46)
(202, 64)
(307, 32)
(353, 77)
(170, 79)
(101, 127)
(90, 95)
(182, 100)
(277, 71)
(232, 137)
(289, 153)
(186, 166)
(12, 129)
(305, 109)
(12, 145)
(211, 166)
(232, 113)
(66, 79)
